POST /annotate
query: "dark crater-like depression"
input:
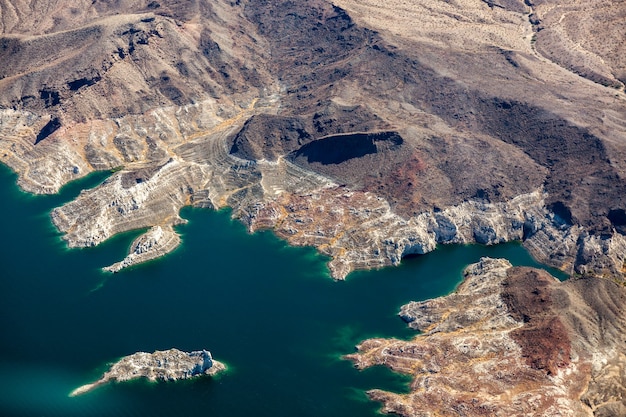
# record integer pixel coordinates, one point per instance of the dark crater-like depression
(341, 148)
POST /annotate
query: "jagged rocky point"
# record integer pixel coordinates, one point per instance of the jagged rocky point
(372, 131)
(165, 365)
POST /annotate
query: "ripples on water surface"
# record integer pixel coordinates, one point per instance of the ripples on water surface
(268, 310)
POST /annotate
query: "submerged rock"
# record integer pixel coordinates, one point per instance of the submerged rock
(165, 365)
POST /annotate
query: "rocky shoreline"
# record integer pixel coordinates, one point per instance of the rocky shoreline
(371, 131)
(358, 229)
(166, 365)
(157, 242)
(366, 169)
(510, 341)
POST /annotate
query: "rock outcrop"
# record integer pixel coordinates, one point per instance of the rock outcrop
(345, 126)
(371, 130)
(509, 342)
(166, 365)
(153, 244)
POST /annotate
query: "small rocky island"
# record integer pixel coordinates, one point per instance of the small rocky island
(162, 365)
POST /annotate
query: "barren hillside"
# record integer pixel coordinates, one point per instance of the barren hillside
(481, 115)
(370, 130)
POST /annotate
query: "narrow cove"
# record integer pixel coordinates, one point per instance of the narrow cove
(269, 311)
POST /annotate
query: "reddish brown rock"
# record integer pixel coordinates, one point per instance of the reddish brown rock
(254, 99)
(509, 342)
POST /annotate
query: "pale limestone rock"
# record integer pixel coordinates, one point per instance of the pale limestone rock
(156, 242)
(478, 299)
(111, 208)
(163, 104)
(196, 168)
(509, 342)
(167, 365)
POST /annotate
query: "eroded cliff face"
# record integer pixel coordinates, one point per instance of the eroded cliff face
(338, 127)
(509, 342)
(370, 130)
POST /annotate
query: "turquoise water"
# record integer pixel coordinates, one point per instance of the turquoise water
(269, 311)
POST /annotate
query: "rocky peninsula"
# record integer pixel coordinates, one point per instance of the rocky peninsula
(372, 131)
(165, 365)
(383, 143)
(156, 242)
(511, 342)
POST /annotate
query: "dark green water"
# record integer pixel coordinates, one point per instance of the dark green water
(268, 310)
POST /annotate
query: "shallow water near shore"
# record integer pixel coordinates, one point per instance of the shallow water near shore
(269, 311)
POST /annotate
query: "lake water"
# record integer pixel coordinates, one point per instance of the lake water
(269, 311)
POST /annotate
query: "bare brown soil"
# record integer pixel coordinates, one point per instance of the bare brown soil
(544, 339)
